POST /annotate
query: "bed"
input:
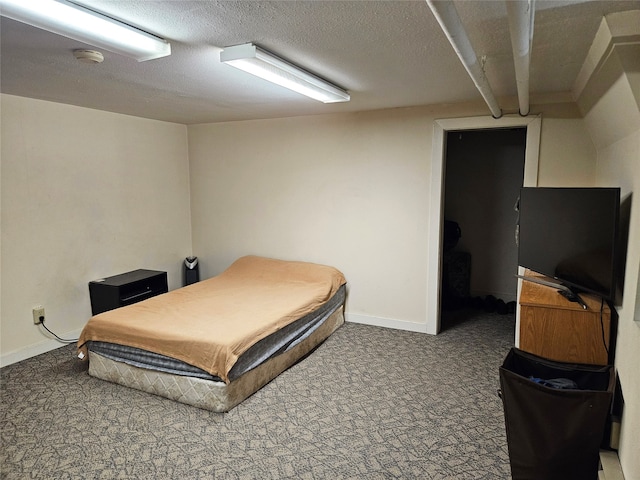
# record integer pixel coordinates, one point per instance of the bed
(214, 343)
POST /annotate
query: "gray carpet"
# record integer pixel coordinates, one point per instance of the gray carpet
(369, 403)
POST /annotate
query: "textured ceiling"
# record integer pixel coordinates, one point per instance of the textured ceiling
(385, 53)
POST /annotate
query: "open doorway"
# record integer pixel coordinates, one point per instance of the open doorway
(436, 213)
(484, 171)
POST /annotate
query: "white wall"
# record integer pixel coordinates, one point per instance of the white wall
(610, 102)
(347, 190)
(568, 153)
(351, 190)
(85, 194)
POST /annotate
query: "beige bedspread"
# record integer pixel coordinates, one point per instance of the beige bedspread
(209, 324)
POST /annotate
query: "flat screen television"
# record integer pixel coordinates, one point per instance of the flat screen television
(571, 235)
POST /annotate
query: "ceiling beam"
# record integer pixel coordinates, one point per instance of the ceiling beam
(521, 14)
(449, 20)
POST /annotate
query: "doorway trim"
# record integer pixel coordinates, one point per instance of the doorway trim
(436, 207)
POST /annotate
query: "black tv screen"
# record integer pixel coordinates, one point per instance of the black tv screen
(571, 234)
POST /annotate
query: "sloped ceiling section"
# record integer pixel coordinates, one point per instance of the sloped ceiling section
(612, 68)
(385, 53)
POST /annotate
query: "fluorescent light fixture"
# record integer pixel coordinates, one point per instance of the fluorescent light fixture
(79, 23)
(252, 59)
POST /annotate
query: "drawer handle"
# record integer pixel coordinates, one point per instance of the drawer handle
(137, 295)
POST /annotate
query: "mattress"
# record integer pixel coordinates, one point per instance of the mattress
(278, 342)
(211, 394)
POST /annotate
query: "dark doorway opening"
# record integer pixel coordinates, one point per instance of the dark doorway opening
(483, 174)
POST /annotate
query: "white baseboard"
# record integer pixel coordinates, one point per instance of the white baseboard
(35, 349)
(386, 322)
(611, 469)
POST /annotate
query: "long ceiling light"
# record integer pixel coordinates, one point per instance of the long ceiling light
(79, 23)
(254, 60)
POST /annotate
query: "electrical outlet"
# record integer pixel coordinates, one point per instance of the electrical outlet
(38, 315)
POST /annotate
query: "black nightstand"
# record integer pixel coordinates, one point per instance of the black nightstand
(125, 289)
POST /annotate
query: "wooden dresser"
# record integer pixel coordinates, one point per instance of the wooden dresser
(555, 328)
